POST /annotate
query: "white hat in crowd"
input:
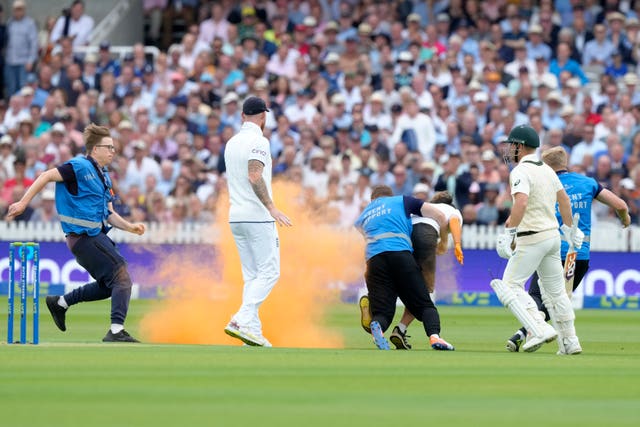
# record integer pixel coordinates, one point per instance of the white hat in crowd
(421, 188)
(480, 97)
(58, 128)
(6, 140)
(230, 97)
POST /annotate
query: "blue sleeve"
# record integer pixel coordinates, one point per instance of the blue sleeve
(597, 188)
(412, 206)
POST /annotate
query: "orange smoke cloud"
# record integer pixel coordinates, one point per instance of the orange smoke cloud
(203, 293)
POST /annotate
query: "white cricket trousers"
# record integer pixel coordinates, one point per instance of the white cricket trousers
(543, 257)
(259, 250)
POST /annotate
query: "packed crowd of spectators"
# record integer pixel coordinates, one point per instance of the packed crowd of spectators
(418, 95)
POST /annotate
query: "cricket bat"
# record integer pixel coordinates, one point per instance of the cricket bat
(570, 260)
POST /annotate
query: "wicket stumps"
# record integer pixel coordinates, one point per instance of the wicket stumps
(27, 251)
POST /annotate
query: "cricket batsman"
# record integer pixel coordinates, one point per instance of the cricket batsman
(582, 191)
(532, 226)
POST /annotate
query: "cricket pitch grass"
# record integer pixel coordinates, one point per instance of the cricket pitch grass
(72, 379)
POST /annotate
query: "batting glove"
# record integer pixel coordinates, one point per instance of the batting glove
(574, 235)
(504, 242)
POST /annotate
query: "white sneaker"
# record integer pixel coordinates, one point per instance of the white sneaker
(244, 334)
(570, 346)
(535, 342)
(265, 342)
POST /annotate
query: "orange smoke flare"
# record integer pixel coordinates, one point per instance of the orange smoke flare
(202, 293)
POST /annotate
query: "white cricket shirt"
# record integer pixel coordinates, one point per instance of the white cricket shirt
(247, 144)
(448, 211)
(536, 179)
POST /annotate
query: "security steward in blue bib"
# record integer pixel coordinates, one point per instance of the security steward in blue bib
(84, 197)
(392, 271)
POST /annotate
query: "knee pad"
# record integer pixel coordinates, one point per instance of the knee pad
(504, 293)
(559, 307)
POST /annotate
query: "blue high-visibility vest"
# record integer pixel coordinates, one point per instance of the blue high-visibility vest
(87, 211)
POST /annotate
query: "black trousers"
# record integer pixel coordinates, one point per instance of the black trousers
(425, 240)
(100, 257)
(391, 275)
(534, 289)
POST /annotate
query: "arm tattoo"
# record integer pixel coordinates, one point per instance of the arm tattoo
(259, 187)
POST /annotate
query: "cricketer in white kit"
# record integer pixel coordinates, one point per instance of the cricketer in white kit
(253, 217)
(535, 188)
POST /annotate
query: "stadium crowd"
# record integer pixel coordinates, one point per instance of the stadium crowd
(417, 95)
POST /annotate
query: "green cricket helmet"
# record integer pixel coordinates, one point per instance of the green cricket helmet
(519, 136)
(524, 134)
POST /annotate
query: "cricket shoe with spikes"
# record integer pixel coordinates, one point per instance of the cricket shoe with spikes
(514, 343)
(438, 343)
(365, 313)
(399, 339)
(378, 336)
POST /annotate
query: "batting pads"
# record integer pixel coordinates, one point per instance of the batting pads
(521, 305)
(561, 313)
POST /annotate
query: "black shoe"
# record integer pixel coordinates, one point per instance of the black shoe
(57, 312)
(399, 339)
(514, 343)
(122, 336)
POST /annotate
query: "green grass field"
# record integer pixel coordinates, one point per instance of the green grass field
(72, 379)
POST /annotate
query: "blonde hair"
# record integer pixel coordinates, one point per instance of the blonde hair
(93, 135)
(556, 158)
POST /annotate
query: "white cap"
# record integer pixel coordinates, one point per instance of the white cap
(317, 153)
(630, 79)
(488, 155)
(480, 97)
(261, 84)
(309, 21)
(421, 188)
(405, 55)
(139, 144)
(338, 98)
(230, 97)
(574, 83)
(58, 127)
(502, 92)
(475, 85)
(332, 58)
(204, 110)
(550, 81)
(26, 91)
(628, 184)
(6, 139)
(535, 29)
(91, 58)
(125, 124)
(554, 96)
(377, 97)
(567, 110)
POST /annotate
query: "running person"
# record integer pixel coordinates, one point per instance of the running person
(84, 198)
(392, 271)
(253, 217)
(535, 189)
(582, 191)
